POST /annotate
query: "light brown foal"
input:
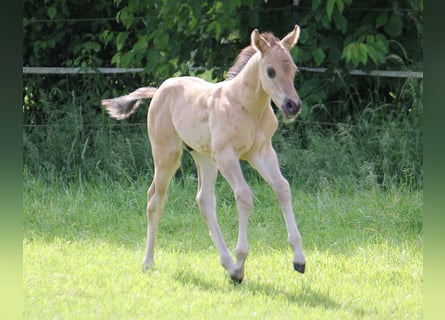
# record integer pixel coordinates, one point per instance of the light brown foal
(221, 123)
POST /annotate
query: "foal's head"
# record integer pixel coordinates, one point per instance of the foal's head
(277, 70)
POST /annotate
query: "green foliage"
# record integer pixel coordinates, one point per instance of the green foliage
(353, 130)
(381, 145)
(174, 36)
(166, 37)
(79, 141)
(363, 37)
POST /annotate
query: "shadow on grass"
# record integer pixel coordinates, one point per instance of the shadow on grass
(306, 297)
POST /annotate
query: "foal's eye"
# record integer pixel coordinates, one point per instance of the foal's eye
(270, 72)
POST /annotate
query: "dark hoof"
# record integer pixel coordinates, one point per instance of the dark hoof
(236, 280)
(299, 267)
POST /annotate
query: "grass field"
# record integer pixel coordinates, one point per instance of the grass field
(83, 247)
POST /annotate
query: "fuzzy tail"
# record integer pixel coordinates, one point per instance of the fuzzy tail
(122, 107)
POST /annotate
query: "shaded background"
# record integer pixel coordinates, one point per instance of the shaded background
(354, 131)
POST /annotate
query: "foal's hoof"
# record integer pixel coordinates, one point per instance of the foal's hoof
(299, 267)
(146, 267)
(237, 275)
(236, 280)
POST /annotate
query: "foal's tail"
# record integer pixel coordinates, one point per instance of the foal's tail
(122, 107)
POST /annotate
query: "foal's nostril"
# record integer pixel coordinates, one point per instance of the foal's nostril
(290, 106)
(293, 107)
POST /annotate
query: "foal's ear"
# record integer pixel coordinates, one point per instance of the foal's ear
(291, 39)
(258, 41)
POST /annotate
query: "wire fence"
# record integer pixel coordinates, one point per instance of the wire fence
(144, 124)
(295, 6)
(74, 71)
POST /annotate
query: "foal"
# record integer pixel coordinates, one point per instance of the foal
(221, 123)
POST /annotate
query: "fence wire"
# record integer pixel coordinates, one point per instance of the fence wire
(241, 11)
(117, 126)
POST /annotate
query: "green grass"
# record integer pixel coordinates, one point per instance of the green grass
(83, 247)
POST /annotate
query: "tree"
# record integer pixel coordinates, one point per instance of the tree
(171, 38)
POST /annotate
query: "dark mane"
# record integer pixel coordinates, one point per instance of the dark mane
(246, 54)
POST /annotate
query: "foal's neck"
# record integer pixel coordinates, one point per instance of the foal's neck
(250, 92)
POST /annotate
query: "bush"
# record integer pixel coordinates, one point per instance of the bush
(354, 132)
(379, 146)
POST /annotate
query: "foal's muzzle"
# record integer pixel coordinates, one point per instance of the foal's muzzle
(291, 108)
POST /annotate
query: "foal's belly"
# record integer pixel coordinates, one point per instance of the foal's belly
(196, 138)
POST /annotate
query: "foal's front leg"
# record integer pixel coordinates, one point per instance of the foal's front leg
(230, 168)
(207, 174)
(265, 161)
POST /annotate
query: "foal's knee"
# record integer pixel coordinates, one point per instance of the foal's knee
(200, 199)
(282, 189)
(155, 205)
(204, 200)
(244, 198)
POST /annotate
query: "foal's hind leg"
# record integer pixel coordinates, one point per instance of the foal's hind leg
(166, 159)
